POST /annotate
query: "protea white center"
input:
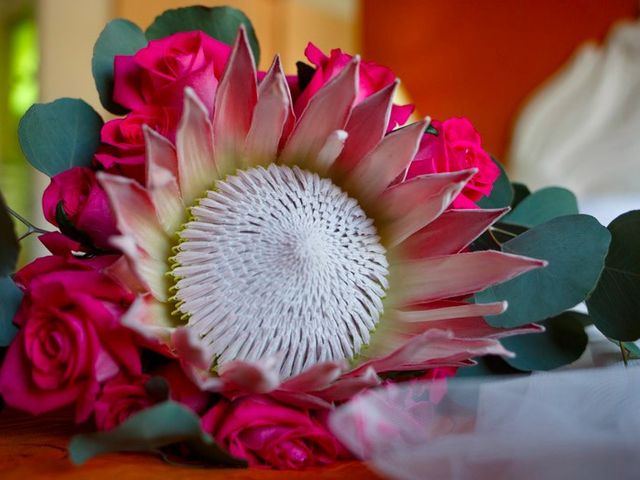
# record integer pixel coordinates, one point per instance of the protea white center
(280, 260)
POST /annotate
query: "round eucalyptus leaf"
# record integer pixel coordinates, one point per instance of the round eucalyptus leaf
(119, 37)
(575, 247)
(502, 192)
(60, 135)
(9, 246)
(520, 192)
(542, 206)
(615, 303)
(221, 23)
(563, 342)
(10, 298)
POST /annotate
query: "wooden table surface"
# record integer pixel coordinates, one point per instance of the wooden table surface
(34, 448)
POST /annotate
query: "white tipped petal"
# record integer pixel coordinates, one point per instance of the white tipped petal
(328, 110)
(162, 180)
(273, 111)
(330, 151)
(411, 205)
(236, 98)
(460, 310)
(149, 318)
(366, 126)
(457, 275)
(450, 233)
(389, 159)
(194, 141)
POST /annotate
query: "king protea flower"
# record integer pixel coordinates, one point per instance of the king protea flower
(281, 254)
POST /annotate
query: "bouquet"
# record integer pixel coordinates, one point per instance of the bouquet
(241, 251)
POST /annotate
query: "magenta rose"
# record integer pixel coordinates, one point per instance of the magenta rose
(158, 74)
(84, 202)
(70, 338)
(457, 146)
(268, 433)
(122, 151)
(120, 398)
(373, 77)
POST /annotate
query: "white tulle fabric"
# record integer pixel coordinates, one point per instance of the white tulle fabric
(564, 425)
(581, 130)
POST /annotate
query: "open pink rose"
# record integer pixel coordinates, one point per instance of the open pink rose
(373, 77)
(268, 433)
(121, 397)
(70, 338)
(159, 73)
(457, 146)
(122, 149)
(84, 202)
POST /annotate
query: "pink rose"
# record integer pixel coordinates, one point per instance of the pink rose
(120, 398)
(268, 433)
(373, 78)
(85, 204)
(70, 338)
(457, 146)
(159, 73)
(182, 389)
(122, 150)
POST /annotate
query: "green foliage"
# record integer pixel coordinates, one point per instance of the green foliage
(520, 192)
(60, 135)
(502, 192)
(10, 298)
(615, 303)
(165, 424)
(542, 206)
(563, 342)
(575, 247)
(119, 37)
(9, 247)
(221, 23)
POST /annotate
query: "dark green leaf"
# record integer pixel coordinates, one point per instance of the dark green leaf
(9, 247)
(502, 192)
(165, 424)
(221, 23)
(10, 298)
(489, 365)
(119, 37)
(563, 342)
(431, 130)
(615, 303)
(497, 234)
(305, 74)
(520, 192)
(60, 135)
(157, 388)
(633, 351)
(575, 247)
(542, 206)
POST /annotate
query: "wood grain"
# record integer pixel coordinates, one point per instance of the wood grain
(36, 447)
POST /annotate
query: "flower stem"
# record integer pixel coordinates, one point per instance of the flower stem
(31, 228)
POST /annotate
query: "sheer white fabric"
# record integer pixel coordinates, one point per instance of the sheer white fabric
(578, 424)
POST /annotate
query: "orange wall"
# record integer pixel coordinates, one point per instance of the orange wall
(481, 59)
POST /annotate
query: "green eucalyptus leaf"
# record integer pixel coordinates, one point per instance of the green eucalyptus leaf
(563, 342)
(575, 247)
(9, 247)
(119, 37)
(542, 206)
(502, 193)
(520, 192)
(633, 350)
(164, 424)
(221, 23)
(431, 130)
(60, 135)
(488, 366)
(10, 298)
(615, 303)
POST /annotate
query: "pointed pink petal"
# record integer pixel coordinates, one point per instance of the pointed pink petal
(328, 110)
(162, 181)
(195, 359)
(366, 127)
(457, 275)
(121, 271)
(194, 141)
(301, 400)
(389, 159)
(330, 151)
(411, 205)
(235, 98)
(456, 310)
(149, 318)
(317, 377)
(449, 233)
(434, 347)
(258, 377)
(272, 113)
(477, 327)
(349, 386)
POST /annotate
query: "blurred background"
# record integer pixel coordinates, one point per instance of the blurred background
(553, 86)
